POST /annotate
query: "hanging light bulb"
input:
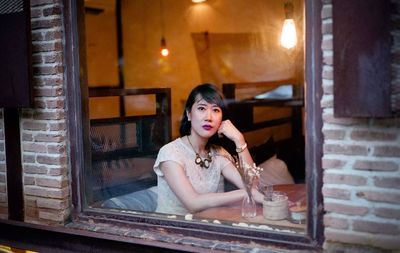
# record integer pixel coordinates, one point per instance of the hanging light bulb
(164, 49)
(288, 35)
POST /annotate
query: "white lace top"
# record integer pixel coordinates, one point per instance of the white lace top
(203, 180)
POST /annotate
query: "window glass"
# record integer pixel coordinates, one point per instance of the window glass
(137, 97)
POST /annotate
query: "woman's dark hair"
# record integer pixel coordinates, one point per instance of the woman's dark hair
(209, 93)
(213, 95)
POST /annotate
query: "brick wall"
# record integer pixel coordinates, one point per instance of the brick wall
(361, 163)
(43, 128)
(3, 183)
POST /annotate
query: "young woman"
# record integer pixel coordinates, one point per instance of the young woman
(190, 170)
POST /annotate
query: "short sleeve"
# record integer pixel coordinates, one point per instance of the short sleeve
(168, 152)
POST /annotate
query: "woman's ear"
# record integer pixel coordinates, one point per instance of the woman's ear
(188, 115)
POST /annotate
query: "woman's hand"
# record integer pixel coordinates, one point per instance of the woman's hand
(231, 132)
(258, 196)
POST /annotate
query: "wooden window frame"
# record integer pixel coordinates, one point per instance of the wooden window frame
(78, 132)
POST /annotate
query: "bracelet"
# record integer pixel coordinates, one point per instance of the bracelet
(242, 148)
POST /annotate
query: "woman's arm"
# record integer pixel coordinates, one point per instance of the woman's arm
(175, 176)
(231, 132)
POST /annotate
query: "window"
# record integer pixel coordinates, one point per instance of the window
(134, 97)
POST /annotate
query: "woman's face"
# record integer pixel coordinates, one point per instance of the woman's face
(205, 118)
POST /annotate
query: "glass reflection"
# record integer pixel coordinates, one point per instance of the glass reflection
(137, 97)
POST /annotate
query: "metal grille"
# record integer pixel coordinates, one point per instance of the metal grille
(11, 6)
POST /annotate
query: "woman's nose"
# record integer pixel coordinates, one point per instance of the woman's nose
(208, 115)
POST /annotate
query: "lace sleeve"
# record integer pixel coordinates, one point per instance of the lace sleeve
(168, 152)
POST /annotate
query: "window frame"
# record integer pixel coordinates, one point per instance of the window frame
(78, 128)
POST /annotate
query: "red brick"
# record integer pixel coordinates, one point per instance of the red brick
(52, 203)
(55, 104)
(40, 47)
(34, 147)
(329, 118)
(51, 160)
(52, 91)
(345, 149)
(48, 70)
(27, 137)
(333, 163)
(54, 10)
(386, 212)
(28, 158)
(47, 80)
(334, 134)
(53, 58)
(37, 58)
(375, 227)
(51, 182)
(35, 169)
(370, 135)
(31, 212)
(53, 215)
(332, 192)
(29, 201)
(387, 151)
(387, 182)
(381, 196)
(335, 222)
(375, 165)
(346, 209)
(58, 171)
(327, 28)
(49, 137)
(29, 180)
(47, 192)
(54, 115)
(40, 104)
(36, 13)
(56, 149)
(353, 238)
(57, 126)
(46, 23)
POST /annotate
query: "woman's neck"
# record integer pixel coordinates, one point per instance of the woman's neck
(199, 144)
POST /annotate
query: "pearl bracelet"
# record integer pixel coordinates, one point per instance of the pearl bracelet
(242, 148)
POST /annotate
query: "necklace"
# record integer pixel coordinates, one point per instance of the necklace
(203, 163)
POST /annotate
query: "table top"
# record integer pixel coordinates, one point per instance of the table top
(296, 195)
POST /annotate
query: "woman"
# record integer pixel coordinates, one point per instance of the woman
(191, 168)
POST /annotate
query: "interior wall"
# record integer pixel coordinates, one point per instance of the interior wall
(219, 41)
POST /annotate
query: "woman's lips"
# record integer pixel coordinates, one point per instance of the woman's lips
(207, 127)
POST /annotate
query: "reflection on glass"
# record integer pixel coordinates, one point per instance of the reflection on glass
(236, 47)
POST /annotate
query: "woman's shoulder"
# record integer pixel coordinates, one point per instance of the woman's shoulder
(172, 145)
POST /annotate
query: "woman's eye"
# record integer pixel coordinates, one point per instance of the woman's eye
(200, 108)
(217, 110)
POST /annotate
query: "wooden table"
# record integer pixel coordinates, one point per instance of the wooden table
(295, 192)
